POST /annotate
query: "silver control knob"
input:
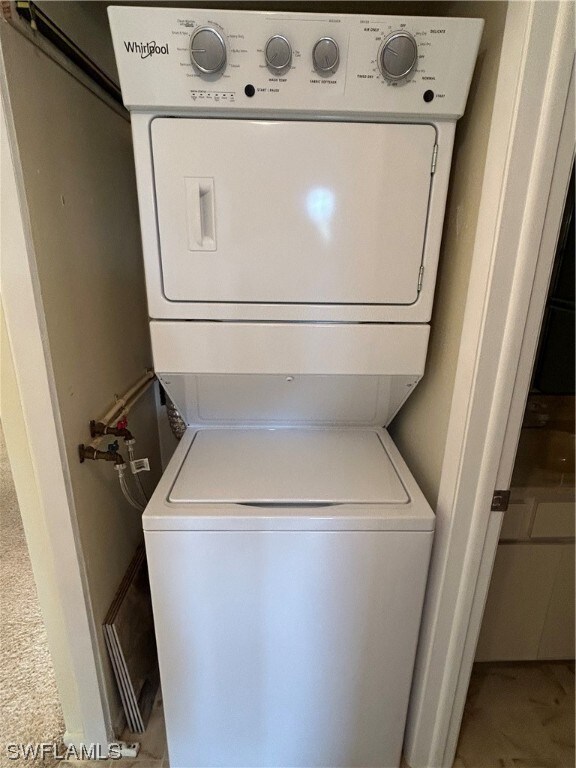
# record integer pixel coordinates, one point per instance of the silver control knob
(208, 50)
(397, 56)
(326, 55)
(278, 53)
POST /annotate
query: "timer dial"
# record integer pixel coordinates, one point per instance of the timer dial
(278, 53)
(208, 50)
(398, 55)
(326, 55)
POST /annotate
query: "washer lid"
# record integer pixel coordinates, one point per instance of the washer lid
(288, 466)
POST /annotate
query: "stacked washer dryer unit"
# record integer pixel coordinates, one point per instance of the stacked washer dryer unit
(292, 173)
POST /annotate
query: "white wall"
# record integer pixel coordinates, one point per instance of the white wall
(420, 428)
(76, 159)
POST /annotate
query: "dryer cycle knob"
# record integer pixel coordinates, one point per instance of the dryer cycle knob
(397, 56)
(208, 50)
(278, 53)
(326, 55)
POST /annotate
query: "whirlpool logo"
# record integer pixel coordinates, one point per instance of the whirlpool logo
(146, 49)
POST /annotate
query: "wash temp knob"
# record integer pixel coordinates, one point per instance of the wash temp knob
(278, 53)
(398, 55)
(208, 50)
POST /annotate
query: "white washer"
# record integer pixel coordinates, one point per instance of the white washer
(287, 611)
(292, 172)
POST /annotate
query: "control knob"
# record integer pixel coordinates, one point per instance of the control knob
(278, 53)
(325, 55)
(208, 50)
(398, 55)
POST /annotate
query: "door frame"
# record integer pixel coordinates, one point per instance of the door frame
(529, 110)
(542, 277)
(544, 267)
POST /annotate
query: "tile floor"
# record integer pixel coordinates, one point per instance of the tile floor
(516, 716)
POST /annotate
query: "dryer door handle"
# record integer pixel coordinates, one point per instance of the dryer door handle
(200, 218)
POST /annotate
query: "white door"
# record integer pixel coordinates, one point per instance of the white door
(291, 212)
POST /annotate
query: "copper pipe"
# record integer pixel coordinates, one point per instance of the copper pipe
(87, 452)
(98, 428)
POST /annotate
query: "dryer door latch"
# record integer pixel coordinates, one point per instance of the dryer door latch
(434, 158)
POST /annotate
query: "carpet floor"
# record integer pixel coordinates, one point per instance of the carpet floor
(30, 711)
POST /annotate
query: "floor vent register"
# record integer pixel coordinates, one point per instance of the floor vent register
(129, 634)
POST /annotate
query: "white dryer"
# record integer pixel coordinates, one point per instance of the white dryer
(292, 173)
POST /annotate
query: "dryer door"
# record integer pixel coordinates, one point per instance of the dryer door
(291, 212)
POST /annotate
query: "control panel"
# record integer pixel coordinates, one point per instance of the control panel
(262, 62)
